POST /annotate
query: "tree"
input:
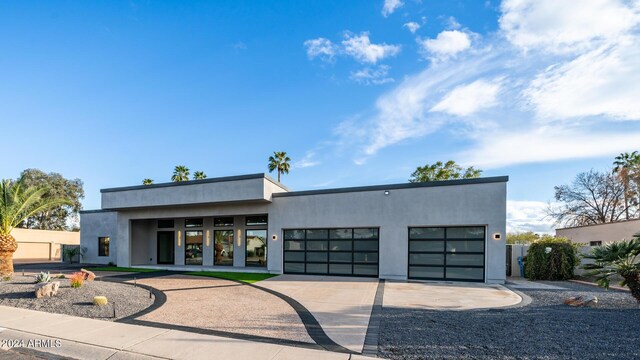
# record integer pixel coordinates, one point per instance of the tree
(180, 173)
(522, 238)
(61, 217)
(147, 181)
(19, 202)
(199, 175)
(627, 167)
(446, 171)
(280, 162)
(617, 258)
(593, 198)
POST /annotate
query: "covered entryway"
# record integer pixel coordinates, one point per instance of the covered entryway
(447, 253)
(345, 251)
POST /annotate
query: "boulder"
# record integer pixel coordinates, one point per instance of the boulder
(47, 289)
(88, 275)
(579, 301)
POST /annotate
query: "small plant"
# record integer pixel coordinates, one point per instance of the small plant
(77, 279)
(43, 277)
(60, 276)
(100, 300)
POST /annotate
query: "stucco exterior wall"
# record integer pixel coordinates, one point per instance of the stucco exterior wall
(42, 244)
(610, 232)
(95, 224)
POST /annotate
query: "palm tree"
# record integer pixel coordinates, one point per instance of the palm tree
(147, 181)
(199, 175)
(17, 203)
(280, 162)
(627, 166)
(180, 173)
(617, 258)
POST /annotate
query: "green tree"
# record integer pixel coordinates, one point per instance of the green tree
(280, 162)
(199, 175)
(620, 258)
(627, 167)
(527, 237)
(180, 173)
(19, 202)
(447, 171)
(63, 216)
(147, 181)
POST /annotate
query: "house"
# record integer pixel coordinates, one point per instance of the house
(443, 230)
(599, 234)
(42, 245)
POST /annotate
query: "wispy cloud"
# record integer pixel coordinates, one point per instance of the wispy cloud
(368, 76)
(309, 160)
(412, 26)
(390, 6)
(467, 99)
(360, 47)
(528, 216)
(446, 44)
(321, 48)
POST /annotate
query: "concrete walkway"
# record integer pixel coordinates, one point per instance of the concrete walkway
(441, 296)
(342, 305)
(82, 338)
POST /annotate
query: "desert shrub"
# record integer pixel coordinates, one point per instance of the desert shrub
(77, 278)
(551, 258)
(43, 277)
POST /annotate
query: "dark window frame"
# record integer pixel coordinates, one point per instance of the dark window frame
(185, 247)
(225, 224)
(191, 226)
(265, 223)
(595, 243)
(162, 223)
(101, 246)
(233, 239)
(266, 248)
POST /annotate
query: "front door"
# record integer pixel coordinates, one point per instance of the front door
(166, 247)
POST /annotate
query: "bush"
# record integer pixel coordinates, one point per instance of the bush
(554, 264)
(43, 277)
(77, 278)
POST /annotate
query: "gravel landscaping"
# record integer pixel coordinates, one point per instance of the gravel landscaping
(544, 329)
(128, 300)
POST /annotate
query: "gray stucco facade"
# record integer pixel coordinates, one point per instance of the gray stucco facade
(130, 218)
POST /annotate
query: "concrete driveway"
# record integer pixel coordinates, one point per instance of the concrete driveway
(342, 305)
(441, 296)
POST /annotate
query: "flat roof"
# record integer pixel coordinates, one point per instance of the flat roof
(410, 185)
(194, 182)
(590, 225)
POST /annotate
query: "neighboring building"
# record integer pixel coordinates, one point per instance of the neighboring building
(595, 235)
(441, 230)
(42, 245)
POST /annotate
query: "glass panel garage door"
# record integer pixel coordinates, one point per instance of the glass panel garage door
(451, 253)
(350, 252)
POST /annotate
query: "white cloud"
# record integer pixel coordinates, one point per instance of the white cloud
(307, 161)
(375, 76)
(322, 48)
(360, 48)
(565, 26)
(467, 99)
(447, 44)
(601, 82)
(390, 6)
(528, 216)
(412, 26)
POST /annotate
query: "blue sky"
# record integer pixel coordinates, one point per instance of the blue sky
(356, 92)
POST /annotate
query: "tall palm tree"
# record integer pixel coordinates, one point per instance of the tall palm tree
(280, 162)
(180, 173)
(199, 175)
(17, 203)
(147, 181)
(627, 166)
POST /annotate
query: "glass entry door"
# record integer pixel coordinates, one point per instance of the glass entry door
(166, 247)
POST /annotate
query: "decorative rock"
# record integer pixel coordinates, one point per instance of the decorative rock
(47, 289)
(88, 275)
(579, 301)
(100, 300)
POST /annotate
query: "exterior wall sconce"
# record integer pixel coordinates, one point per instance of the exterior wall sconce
(274, 237)
(497, 236)
(208, 237)
(386, 192)
(239, 237)
(179, 238)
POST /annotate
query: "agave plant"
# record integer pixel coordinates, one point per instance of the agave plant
(43, 277)
(618, 258)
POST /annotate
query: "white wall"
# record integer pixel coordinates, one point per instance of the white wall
(94, 225)
(609, 232)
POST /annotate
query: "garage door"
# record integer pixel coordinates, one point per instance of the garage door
(348, 252)
(447, 253)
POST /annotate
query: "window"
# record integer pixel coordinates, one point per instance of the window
(223, 249)
(192, 223)
(256, 248)
(595, 243)
(103, 246)
(223, 221)
(257, 220)
(193, 247)
(165, 224)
